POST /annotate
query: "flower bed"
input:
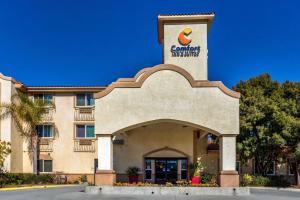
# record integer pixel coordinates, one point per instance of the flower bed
(178, 184)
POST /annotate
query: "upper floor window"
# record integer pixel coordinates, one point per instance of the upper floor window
(47, 98)
(85, 131)
(45, 131)
(85, 100)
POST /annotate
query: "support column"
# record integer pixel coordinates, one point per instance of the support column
(228, 176)
(105, 175)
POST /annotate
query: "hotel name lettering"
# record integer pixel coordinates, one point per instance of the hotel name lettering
(185, 51)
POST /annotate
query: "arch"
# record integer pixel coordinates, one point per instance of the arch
(166, 148)
(156, 121)
(143, 74)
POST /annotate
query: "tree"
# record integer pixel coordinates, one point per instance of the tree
(292, 93)
(269, 121)
(26, 114)
(4, 152)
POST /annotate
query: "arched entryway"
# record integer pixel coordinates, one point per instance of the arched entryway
(164, 94)
(165, 165)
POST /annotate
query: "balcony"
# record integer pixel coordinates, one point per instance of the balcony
(48, 116)
(46, 145)
(83, 145)
(84, 114)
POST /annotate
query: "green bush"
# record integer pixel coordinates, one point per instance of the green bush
(83, 178)
(19, 179)
(260, 181)
(278, 181)
(274, 181)
(246, 180)
(206, 177)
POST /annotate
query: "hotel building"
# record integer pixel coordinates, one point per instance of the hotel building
(161, 120)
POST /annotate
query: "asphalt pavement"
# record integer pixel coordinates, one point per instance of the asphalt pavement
(77, 193)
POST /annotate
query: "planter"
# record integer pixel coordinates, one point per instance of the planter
(133, 179)
(196, 180)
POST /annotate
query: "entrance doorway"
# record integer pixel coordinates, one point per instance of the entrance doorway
(165, 169)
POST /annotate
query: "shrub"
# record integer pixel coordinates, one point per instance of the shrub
(206, 177)
(278, 181)
(246, 180)
(133, 171)
(83, 178)
(18, 179)
(169, 184)
(274, 181)
(260, 181)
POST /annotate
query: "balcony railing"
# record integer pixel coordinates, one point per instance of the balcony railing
(84, 114)
(46, 145)
(213, 147)
(84, 145)
(48, 116)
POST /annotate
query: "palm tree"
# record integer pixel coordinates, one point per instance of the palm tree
(26, 114)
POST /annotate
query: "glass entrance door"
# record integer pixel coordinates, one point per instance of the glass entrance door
(166, 170)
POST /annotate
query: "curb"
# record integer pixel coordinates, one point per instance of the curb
(35, 187)
(276, 189)
(167, 191)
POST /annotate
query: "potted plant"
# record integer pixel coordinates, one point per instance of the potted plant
(198, 168)
(133, 175)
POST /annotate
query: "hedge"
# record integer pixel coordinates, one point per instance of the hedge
(18, 179)
(274, 181)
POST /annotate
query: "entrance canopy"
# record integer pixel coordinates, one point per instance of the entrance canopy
(166, 92)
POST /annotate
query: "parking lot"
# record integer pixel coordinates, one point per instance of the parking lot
(77, 193)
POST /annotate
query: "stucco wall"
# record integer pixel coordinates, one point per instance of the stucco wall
(6, 124)
(64, 158)
(167, 94)
(17, 150)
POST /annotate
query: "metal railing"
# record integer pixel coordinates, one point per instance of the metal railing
(83, 145)
(48, 117)
(84, 114)
(46, 145)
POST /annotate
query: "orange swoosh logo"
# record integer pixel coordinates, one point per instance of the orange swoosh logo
(183, 36)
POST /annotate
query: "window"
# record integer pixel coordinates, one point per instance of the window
(85, 100)
(44, 165)
(47, 98)
(212, 139)
(148, 169)
(238, 166)
(45, 131)
(292, 168)
(95, 165)
(85, 131)
(183, 169)
(271, 170)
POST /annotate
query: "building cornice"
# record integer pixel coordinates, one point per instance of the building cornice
(182, 18)
(33, 89)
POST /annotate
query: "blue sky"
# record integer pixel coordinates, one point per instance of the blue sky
(88, 42)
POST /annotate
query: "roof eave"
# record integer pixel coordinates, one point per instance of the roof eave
(162, 19)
